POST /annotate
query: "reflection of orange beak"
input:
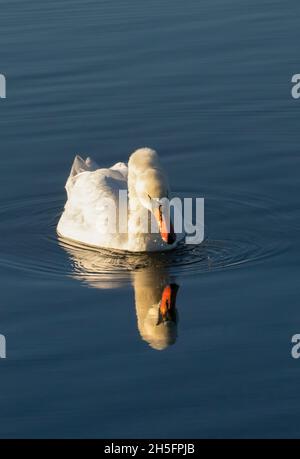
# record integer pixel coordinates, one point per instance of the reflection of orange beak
(167, 306)
(166, 230)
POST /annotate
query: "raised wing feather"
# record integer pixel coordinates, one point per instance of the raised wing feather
(92, 194)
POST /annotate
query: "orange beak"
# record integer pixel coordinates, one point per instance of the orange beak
(167, 310)
(166, 230)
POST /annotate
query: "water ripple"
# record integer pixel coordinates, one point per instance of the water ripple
(235, 236)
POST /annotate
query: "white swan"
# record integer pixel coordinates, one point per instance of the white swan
(87, 218)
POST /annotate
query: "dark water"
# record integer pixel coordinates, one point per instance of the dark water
(208, 85)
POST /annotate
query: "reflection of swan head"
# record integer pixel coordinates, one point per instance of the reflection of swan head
(155, 294)
(155, 300)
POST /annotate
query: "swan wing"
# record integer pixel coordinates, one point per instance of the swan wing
(122, 168)
(93, 200)
(82, 165)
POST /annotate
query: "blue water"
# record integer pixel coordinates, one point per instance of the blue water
(207, 84)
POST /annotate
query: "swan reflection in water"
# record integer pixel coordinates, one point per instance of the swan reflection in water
(154, 290)
(155, 302)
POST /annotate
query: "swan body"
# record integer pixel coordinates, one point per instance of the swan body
(86, 217)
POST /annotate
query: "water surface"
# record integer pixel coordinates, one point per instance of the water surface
(207, 84)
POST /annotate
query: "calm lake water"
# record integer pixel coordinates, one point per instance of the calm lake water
(207, 84)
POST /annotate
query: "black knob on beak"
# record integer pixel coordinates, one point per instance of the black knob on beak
(171, 238)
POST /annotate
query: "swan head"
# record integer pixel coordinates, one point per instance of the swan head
(151, 187)
(152, 190)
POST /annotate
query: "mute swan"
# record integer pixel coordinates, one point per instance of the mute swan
(88, 219)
